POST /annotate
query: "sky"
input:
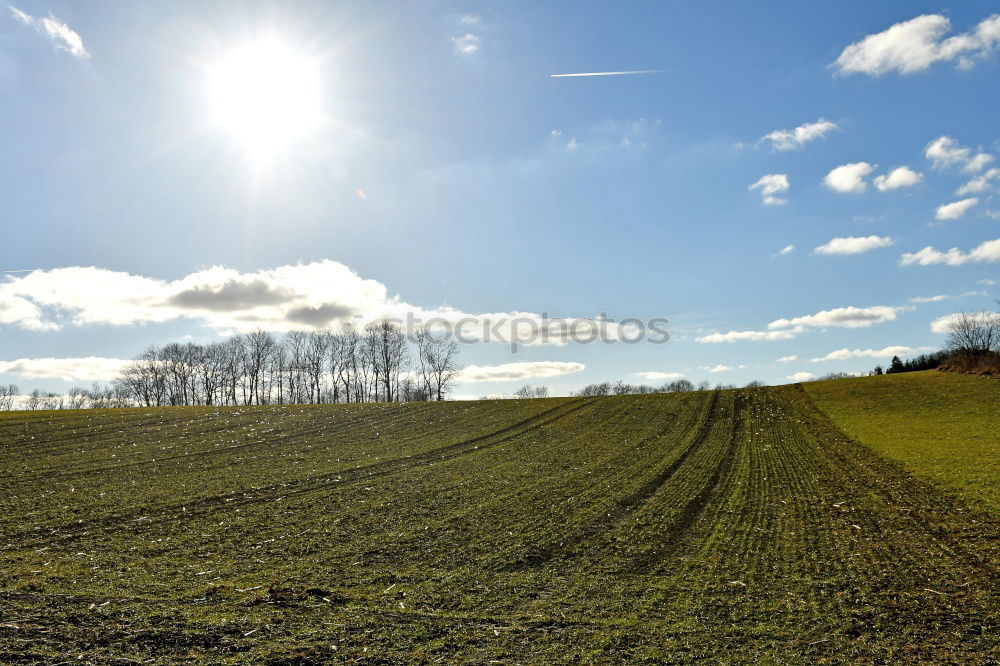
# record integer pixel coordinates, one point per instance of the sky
(798, 188)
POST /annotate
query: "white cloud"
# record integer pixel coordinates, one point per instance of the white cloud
(802, 377)
(987, 251)
(718, 368)
(845, 353)
(287, 297)
(944, 151)
(899, 177)
(64, 37)
(470, 19)
(943, 324)
(914, 45)
(87, 369)
(654, 375)
(788, 249)
(980, 183)
(978, 163)
(19, 311)
(849, 317)
(849, 178)
(785, 329)
(955, 209)
(467, 44)
(948, 297)
(788, 359)
(753, 336)
(988, 283)
(790, 139)
(520, 371)
(854, 244)
(770, 185)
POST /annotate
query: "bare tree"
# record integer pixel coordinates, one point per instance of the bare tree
(974, 333)
(529, 391)
(8, 396)
(387, 346)
(439, 364)
(317, 347)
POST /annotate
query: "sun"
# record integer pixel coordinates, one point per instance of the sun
(265, 95)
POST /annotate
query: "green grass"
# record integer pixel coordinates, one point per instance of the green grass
(714, 527)
(941, 426)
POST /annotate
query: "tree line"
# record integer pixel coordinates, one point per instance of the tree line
(676, 386)
(377, 362)
(373, 363)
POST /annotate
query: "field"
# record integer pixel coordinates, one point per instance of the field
(941, 426)
(724, 527)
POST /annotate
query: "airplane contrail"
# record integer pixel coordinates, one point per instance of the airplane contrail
(633, 71)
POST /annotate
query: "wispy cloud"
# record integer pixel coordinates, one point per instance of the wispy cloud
(947, 297)
(955, 210)
(749, 336)
(467, 44)
(980, 183)
(913, 46)
(945, 151)
(64, 37)
(848, 317)
(985, 252)
(611, 135)
(787, 328)
(769, 186)
(930, 299)
(886, 352)
(853, 244)
(654, 375)
(515, 372)
(790, 139)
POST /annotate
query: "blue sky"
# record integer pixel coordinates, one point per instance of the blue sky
(449, 170)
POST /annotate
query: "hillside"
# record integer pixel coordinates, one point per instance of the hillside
(732, 525)
(941, 426)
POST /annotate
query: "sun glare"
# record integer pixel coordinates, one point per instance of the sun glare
(265, 95)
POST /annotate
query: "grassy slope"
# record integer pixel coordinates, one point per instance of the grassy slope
(728, 527)
(941, 426)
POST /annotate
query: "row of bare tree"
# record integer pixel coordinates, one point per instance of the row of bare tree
(8, 396)
(376, 362)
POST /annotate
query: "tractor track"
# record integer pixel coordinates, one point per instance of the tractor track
(569, 547)
(678, 533)
(275, 437)
(344, 478)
